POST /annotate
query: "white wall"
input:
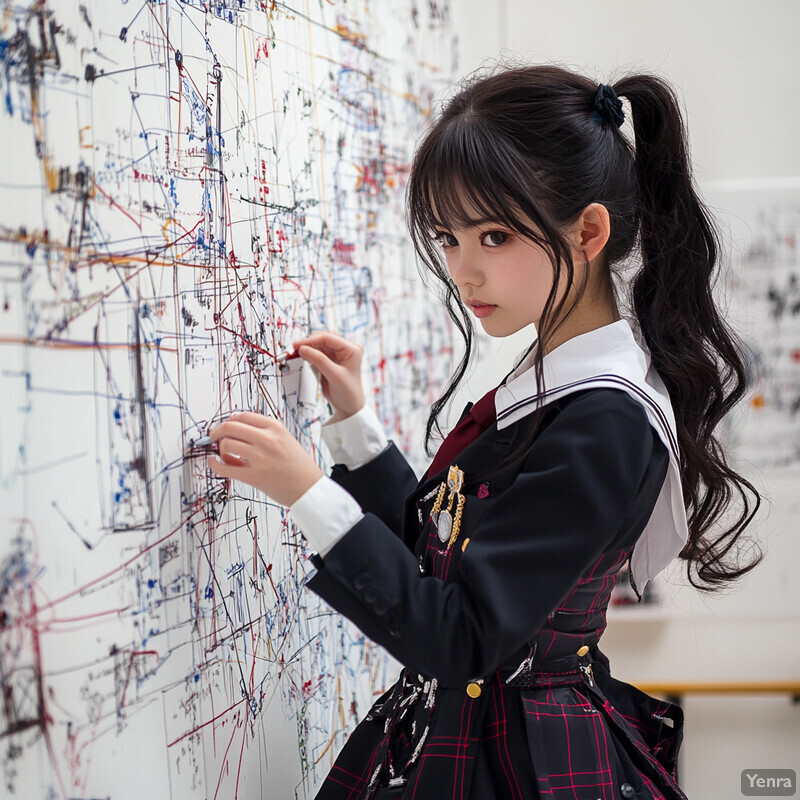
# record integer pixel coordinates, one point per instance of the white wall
(735, 62)
(735, 65)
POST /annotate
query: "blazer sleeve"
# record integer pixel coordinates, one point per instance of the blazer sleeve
(574, 497)
(380, 486)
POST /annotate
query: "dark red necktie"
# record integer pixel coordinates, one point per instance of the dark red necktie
(480, 417)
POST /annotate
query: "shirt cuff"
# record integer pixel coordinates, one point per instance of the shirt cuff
(356, 440)
(325, 513)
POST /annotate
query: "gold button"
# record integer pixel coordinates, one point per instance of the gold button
(464, 544)
(582, 651)
(474, 690)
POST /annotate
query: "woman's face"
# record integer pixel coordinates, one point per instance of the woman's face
(503, 278)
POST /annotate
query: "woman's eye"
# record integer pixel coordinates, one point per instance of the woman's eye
(494, 238)
(445, 239)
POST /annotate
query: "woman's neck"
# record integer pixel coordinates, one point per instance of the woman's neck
(591, 312)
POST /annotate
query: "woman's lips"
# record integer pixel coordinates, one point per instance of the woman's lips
(480, 310)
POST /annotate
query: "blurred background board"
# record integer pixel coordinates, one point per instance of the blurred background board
(761, 223)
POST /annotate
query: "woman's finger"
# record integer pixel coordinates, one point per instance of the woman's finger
(335, 347)
(223, 470)
(234, 452)
(318, 359)
(320, 337)
(252, 418)
(235, 428)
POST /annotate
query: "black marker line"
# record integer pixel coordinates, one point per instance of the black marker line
(71, 526)
(125, 29)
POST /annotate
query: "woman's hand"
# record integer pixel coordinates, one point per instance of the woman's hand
(259, 451)
(339, 364)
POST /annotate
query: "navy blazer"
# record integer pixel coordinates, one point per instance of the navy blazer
(587, 485)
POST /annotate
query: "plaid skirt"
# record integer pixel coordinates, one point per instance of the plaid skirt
(576, 734)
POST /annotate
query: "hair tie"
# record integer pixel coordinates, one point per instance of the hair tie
(607, 106)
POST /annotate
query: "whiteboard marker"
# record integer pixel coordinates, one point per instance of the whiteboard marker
(284, 357)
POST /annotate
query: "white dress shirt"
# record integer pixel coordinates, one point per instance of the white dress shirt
(327, 511)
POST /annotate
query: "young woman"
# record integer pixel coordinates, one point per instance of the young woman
(489, 578)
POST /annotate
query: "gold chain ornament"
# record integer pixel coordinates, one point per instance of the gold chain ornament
(448, 526)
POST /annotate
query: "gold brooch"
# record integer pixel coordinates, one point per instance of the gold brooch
(448, 525)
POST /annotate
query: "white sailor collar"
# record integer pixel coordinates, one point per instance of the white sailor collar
(611, 356)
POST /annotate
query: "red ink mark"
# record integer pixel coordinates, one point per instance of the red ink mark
(262, 49)
(368, 174)
(343, 253)
(279, 243)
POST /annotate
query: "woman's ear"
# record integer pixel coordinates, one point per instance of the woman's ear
(591, 230)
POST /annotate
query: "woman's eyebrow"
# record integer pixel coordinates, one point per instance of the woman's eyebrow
(472, 222)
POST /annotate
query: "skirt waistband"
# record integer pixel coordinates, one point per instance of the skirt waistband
(529, 674)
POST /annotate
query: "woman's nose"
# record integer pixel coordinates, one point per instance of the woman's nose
(465, 269)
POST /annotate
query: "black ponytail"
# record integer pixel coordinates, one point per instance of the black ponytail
(527, 148)
(693, 350)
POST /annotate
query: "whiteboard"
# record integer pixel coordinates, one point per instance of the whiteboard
(187, 187)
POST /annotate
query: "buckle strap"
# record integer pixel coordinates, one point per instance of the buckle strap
(563, 671)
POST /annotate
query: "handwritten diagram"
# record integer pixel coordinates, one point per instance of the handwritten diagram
(186, 187)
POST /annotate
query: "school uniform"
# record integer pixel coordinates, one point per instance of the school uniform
(505, 692)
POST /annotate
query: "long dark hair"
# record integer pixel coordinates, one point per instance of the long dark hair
(526, 148)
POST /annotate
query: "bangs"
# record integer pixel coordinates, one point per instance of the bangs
(469, 170)
(464, 175)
